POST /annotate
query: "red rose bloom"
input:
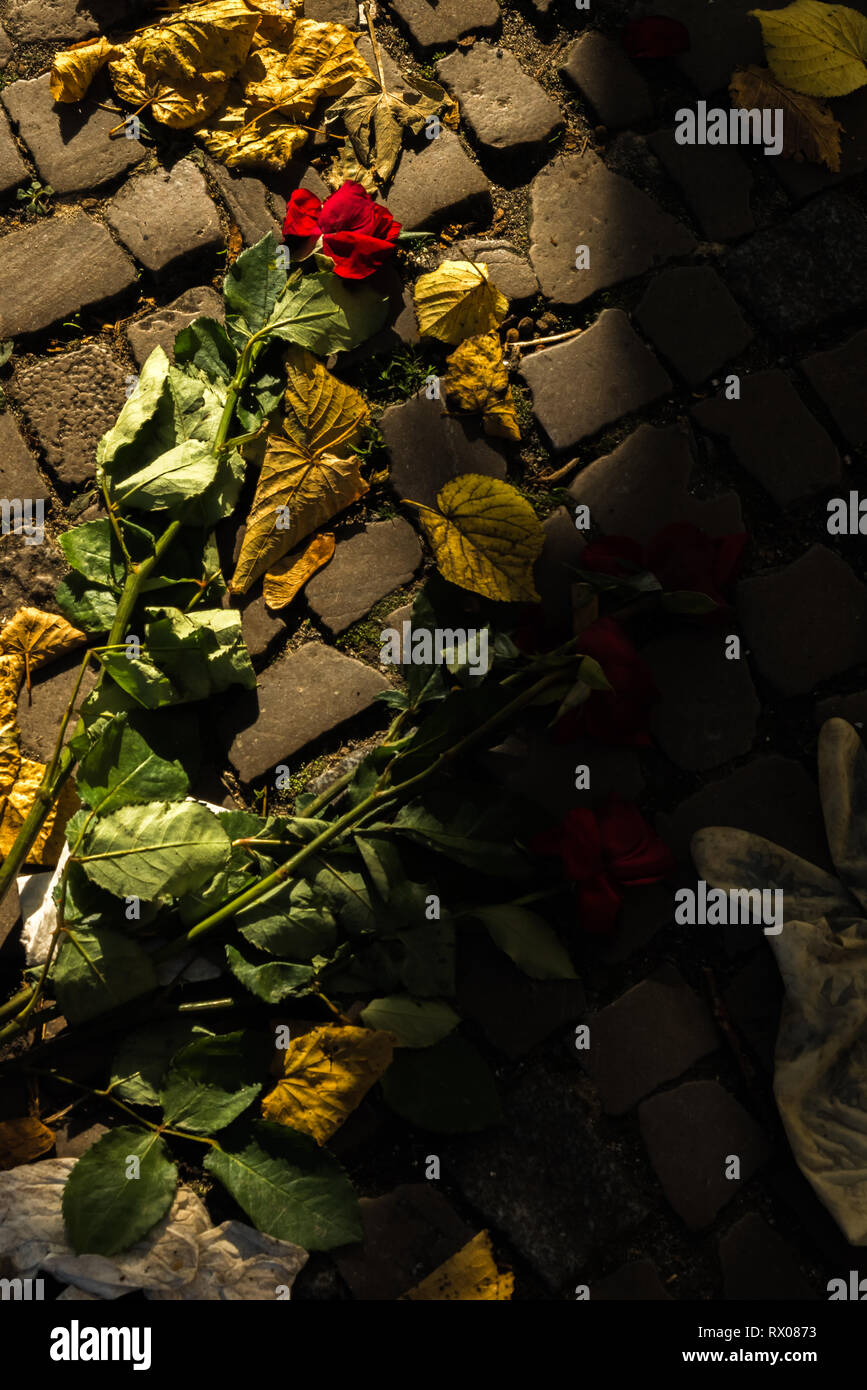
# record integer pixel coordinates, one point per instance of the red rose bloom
(358, 233)
(655, 36)
(616, 716)
(681, 555)
(603, 851)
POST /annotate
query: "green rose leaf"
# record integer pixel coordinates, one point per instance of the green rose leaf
(202, 651)
(528, 940)
(170, 479)
(204, 344)
(273, 980)
(289, 1187)
(97, 970)
(448, 1088)
(252, 287)
(211, 1081)
(163, 849)
(120, 1188)
(140, 678)
(85, 605)
(415, 1022)
(143, 1057)
(289, 921)
(121, 770)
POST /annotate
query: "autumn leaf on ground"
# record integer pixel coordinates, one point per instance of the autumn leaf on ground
(326, 1074)
(809, 128)
(457, 301)
(476, 381)
(816, 48)
(309, 473)
(297, 69)
(345, 166)
(290, 574)
(471, 1274)
(74, 69)
(244, 139)
(23, 1140)
(39, 638)
(485, 537)
(375, 119)
(180, 69)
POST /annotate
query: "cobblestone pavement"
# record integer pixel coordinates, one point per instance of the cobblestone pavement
(706, 263)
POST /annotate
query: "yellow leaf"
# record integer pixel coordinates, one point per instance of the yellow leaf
(74, 69)
(485, 537)
(470, 1275)
(345, 166)
(15, 804)
(816, 48)
(11, 676)
(38, 637)
(21, 1140)
(476, 380)
(245, 139)
(326, 1074)
(809, 128)
(309, 473)
(375, 119)
(289, 575)
(181, 67)
(457, 301)
(296, 69)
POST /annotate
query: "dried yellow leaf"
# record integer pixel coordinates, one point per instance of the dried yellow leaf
(181, 68)
(74, 69)
(38, 637)
(309, 473)
(470, 1275)
(22, 1140)
(476, 381)
(290, 574)
(15, 805)
(816, 48)
(457, 301)
(345, 166)
(375, 119)
(326, 1074)
(809, 128)
(245, 139)
(485, 537)
(300, 67)
(11, 676)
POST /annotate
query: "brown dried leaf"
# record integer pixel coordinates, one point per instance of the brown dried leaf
(38, 637)
(297, 69)
(476, 382)
(345, 166)
(74, 69)
(809, 129)
(470, 1275)
(245, 139)
(326, 1074)
(309, 470)
(290, 574)
(23, 1140)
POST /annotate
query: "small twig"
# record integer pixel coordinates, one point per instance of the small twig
(122, 124)
(559, 472)
(374, 43)
(554, 338)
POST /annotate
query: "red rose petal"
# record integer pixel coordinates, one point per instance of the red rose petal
(656, 36)
(302, 214)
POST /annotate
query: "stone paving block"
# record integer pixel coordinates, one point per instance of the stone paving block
(806, 622)
(251, 203)
(382, 557)
(639, 1281)
(802, 179)
(646, 910)
(10, 913)
(541, 771)
(504, 107)
(555, 1212)
(36, 21)
(760, 1267)
(509, 271)
(306, 693)
(515, 1012)
(5, 48)
(70, 143)
(160, 328)
(70, 400)
(642, 486)
(166, 216)
(438, 184)
(440, 23)
(839, 377)
(13, 170)
(651, 1034)
(554, 570)
(771, 796)
(29, 574)
(408, 1233)
(805, 272)
(774, 437)
(690, 1133)
(426, 448)
(19, 475)
(616, 372)
(716, 183)
(708, 708)
(852, 707)
(39, 717)
(79, 266)
(260, 628)
(722, 37)
(692, 320)
(332, 12)
(605, 77)
(577, 201)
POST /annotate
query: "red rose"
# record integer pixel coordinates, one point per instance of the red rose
(619, 556)
(655, 36)
(602, 852)
(358, 233)
(684, 557)
(619, 715)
